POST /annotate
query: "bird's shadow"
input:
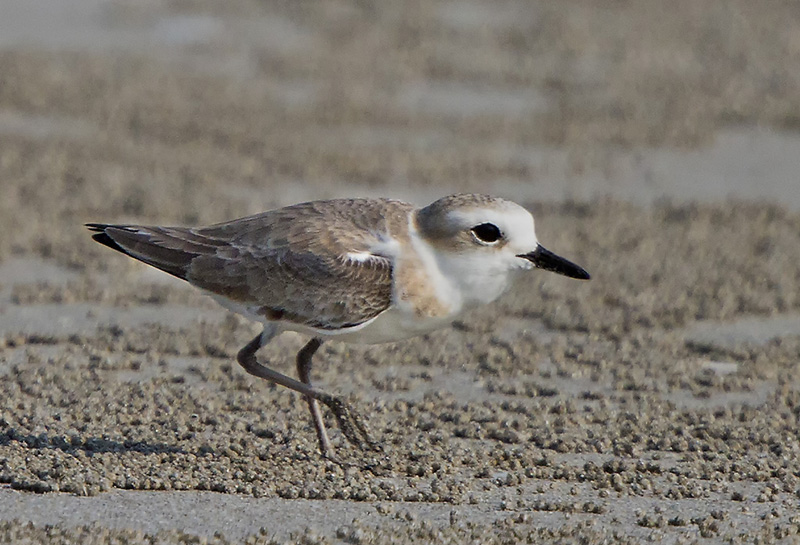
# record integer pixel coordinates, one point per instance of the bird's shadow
(90, 445)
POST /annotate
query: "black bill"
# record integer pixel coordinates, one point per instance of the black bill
(547, 260)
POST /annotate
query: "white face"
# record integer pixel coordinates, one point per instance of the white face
(480, 252)
(498, 236)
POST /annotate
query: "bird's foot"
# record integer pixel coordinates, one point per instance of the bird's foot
(351, 423)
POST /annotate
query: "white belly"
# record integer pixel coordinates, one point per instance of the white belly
(389, 326)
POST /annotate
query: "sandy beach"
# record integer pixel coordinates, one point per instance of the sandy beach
(657, 145)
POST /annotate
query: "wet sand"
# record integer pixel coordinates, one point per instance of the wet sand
(657, 147)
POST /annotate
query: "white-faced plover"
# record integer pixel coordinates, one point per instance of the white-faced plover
(355, 270)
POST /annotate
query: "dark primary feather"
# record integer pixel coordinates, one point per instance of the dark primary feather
(102, 237)
(288, 264)
(161, 247)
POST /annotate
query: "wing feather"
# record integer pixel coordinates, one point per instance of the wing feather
(291, 264)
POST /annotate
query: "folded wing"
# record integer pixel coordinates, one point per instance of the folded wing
(294, 264)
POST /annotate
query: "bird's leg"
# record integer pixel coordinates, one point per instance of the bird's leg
(350, 422)
(304, 372)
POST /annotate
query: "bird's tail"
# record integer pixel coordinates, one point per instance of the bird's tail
(170, 249)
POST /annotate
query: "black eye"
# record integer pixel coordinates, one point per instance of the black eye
(487, 232)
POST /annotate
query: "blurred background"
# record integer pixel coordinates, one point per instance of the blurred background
(184, 112)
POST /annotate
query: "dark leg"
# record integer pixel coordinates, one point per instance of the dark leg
(247, 359)
(350, 422)
(304, 372)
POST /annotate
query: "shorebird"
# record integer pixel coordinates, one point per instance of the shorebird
(355, 270)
